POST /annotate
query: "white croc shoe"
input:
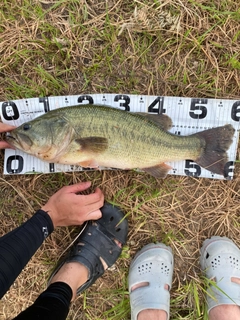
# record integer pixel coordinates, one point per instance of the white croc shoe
(153, 265)
(220, 260)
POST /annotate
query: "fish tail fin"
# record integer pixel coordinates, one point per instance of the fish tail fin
(216, 142)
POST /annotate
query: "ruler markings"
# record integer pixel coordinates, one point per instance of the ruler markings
(189, 115)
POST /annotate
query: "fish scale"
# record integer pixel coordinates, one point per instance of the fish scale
(93, 136)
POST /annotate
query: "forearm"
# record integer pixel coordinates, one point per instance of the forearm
(18, 246)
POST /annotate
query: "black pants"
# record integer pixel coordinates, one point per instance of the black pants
(52, 304)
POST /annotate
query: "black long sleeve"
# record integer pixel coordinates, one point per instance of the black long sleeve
(18, 246)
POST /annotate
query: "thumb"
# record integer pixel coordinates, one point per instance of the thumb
(94, 215)
(78, 187)
(6, 127)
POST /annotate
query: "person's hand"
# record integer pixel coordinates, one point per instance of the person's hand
(67, 208)
(5, 128)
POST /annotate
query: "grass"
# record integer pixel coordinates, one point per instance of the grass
(175, 48)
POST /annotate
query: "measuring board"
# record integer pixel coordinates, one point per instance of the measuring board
(189, 115)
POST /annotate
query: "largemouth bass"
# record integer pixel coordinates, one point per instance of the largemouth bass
(100, 136)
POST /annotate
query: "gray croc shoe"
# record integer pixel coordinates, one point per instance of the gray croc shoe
(152, 265)
(220, 260)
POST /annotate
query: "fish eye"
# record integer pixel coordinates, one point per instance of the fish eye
(26, 126)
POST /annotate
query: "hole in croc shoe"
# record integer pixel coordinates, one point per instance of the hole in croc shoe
(146, 284)
(167, 287)
(207, 255)
(235, 280)
(111, 219)
(139, 285)
(118, 229)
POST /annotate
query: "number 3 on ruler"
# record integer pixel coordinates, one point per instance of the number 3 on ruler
(124, 104)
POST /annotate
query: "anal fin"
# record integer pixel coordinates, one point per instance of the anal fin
(159, 171)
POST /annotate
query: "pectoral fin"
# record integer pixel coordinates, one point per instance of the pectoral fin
(93, 144)
(162, 120)
(159, 171)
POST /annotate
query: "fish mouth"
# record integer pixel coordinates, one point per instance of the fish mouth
(11, 140)
(20, 141)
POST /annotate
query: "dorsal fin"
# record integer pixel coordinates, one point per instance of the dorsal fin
(162, 120)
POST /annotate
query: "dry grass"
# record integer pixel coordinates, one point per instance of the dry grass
(179, 48)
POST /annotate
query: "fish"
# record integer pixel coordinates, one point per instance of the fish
(95, 136)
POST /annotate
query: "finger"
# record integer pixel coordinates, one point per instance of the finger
(96, 198)
(6, 127)
(78, 187)
(5, 145)
(94, 215)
